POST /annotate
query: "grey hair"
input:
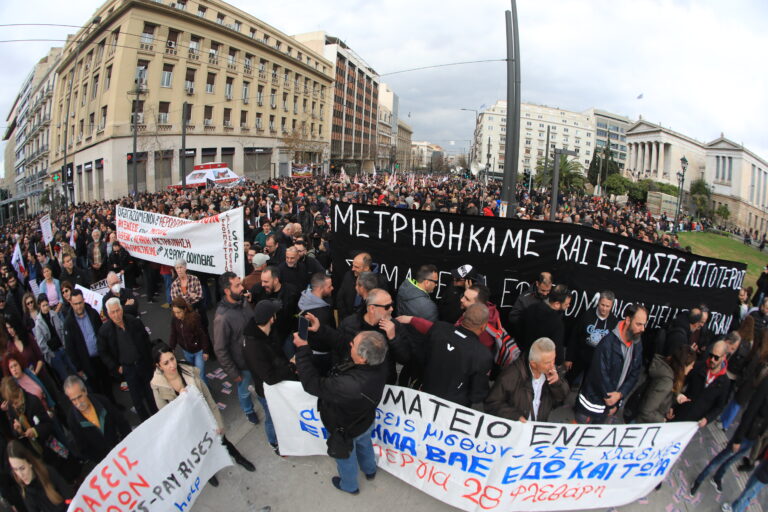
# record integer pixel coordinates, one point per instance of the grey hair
(180, 263)
(608, 295)
(111, 301)
(112, 273)
(367, 280)
(72, 381)
(372, 347)
(539, 347)
(733, 338)
(374, 296)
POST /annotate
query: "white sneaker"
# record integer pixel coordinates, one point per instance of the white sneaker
(726, 507)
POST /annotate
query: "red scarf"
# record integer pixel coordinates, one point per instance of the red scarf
(710, 377)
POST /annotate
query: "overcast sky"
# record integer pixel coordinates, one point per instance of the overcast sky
(698, 64)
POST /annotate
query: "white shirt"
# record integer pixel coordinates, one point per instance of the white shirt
(538, 384)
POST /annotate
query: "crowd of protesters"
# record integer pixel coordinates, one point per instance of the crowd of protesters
(65, 364)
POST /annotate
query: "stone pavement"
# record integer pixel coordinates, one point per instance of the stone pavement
(304, 483)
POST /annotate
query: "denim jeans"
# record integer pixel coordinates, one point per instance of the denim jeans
(724, 459)
(753, 487)
(269, 427)
(62, 364)
(729, 414)
(243, 394)
(168, 281)
(362, 456)
(196, 358)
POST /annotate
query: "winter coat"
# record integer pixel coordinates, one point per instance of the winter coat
(523, 302)
(310, 303)
(347, 400)
(165, 394)
(189, 334)
(449, 305)
(413, 301)
(539, 321)
(658, 395)
(754, 422)
(36, 500)
(109, 348)
(94, 443)
(75, 342)
(43, 333)
(706, 401)
(228, 324)
(265, 358)
(586, 334)
(605, 371)
(512, 394)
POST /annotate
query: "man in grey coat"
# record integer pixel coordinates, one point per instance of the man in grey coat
(228, 324)
(413, 296)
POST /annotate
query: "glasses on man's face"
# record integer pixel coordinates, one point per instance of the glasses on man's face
(714, 357)
(383, 306)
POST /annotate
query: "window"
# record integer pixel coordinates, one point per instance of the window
(228, 88)
(141, 72)
(85, 95)
(189, 80)
(228, 117)
(273, 98)
(137, 111)
(246, 90)
(220, 18)
(147, 36)
(103, 118)
(253, 33)
(194, 44)
(209, 82)
(201, 11)
(232, 57)
(95, 86)
(188, 113)
(162, 116)
(208, 116)
(91, 123)
(260, 96)
(259, 125)
(272, 124)
(237, 25)
(107, 77)
(244, 119)
(167, 76)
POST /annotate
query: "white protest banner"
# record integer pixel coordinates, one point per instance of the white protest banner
(162, 465)
(45, 227)
(475, 461)
(101, 287)
(212, 245)
(92, 298)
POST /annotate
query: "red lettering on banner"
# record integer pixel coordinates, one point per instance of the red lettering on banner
(487, 497)
(423, 470)
(108, 477)
(94, 484)
(536, 493)
(130, 463)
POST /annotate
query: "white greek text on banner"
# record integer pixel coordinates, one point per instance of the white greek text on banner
(475, 461)
(213, 244)
(162, 465)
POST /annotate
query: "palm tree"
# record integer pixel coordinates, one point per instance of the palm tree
(572, 177)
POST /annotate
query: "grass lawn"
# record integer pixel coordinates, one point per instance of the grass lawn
(726, 248)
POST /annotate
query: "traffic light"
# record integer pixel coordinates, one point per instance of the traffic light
(68, 173)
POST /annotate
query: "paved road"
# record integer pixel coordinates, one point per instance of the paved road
(304, 483)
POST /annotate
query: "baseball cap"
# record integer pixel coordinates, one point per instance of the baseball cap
(265, 309)
(260, 259)
(464, 272)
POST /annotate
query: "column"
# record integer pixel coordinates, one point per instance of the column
(662, 166)
(644, 165)
(654, 156)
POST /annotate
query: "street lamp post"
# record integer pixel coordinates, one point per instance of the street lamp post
(680, 181)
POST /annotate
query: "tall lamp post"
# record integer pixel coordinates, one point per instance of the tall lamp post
(680, 181)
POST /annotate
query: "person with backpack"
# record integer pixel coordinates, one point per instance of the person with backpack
(662, 387)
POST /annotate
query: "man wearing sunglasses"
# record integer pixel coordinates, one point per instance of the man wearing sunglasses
(413, 296)
(707, 387)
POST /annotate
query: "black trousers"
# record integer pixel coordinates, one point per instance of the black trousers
(137, 376)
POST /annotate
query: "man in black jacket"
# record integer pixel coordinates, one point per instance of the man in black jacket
(545, 320)
(591, 326)
(753, 424)
(272, 287)
(265, 358)
(94, 441)
(125, 349)
(127, 301)
(457, 365)
(81, 329)
(707, 387)
(347, 404)
(540, 290)
(73, 274)
(347, 299)
(686, 330)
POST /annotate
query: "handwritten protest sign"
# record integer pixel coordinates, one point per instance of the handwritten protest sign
(511, 253)
(45, 227)
(476, 461)
(212, 244)
(162, 465)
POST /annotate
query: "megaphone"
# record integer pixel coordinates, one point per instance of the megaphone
(475, 168)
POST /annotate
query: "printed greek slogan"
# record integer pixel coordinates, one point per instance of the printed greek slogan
(511, 253)
(475, 461)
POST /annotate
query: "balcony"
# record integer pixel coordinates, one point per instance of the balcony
(247, 70)
(193, 54)
(232, 66)
(213, 59)
(170, 48)
(262, 75)
(146, 43)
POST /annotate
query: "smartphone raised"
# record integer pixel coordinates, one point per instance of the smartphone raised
(303, 327)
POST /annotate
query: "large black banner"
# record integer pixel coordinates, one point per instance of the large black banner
(511, 253)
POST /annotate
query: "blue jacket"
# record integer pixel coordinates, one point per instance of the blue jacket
(605, 372)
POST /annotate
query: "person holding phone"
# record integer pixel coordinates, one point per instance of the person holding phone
(265, 359)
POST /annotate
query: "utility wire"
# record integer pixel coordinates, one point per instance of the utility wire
(441, 66)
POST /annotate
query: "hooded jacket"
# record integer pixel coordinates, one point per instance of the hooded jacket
(265, 358)
(228, 324)
(606, 369)
(706, 401)
(413, 301)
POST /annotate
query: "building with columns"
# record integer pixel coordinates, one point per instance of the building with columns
(655, 153)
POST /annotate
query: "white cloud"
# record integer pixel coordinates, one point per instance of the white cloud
(697, 63)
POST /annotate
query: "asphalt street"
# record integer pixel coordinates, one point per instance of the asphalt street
(304, 483)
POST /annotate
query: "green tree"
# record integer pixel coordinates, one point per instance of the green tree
(723, 212)
(701, 195)
(572, 179)
(617, 184)
(609, 166)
